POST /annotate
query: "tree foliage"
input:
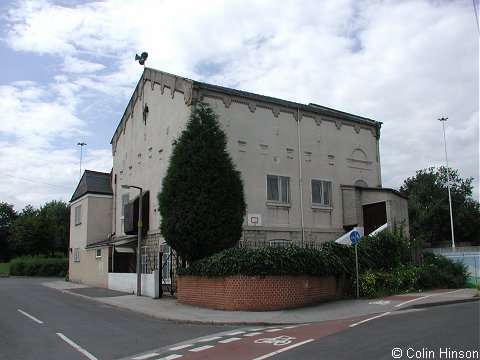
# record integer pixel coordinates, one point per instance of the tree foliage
(202, 200)
(429, 212)
(7, 217)
(39, 231)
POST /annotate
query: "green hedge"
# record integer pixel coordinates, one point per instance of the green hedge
(332, 259)
(39, 266)
(433, 272)
(385, 264)
(436, 271)
(386, 251)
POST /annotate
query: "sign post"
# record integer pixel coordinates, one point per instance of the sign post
(354, 238)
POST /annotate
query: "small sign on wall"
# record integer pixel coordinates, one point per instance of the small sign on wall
(254, 219)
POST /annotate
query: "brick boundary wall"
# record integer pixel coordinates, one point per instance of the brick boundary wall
(255, 293)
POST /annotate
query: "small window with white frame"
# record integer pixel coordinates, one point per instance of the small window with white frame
(98, 253)
(78, 215)
(278, 189)
(321, 193)
(76, 254)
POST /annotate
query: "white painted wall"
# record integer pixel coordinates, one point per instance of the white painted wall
(262, 139)
(127, 282)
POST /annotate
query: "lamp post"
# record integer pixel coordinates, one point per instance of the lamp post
(139, 238)
(81, 144)
(442, 120)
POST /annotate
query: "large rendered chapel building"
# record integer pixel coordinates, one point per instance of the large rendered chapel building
(310, 175)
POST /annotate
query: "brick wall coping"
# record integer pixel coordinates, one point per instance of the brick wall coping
(256, 293)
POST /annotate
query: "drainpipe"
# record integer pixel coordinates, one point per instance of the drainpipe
(379, 125)
(300, 175)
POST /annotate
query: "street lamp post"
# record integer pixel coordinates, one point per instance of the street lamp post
(139, 238)
(442, 120)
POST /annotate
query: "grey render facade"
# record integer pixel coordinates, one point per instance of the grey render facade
(310, 173)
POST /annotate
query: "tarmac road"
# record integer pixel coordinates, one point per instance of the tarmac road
(37, 322)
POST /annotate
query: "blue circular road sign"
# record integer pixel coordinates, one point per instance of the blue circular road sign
(354, 237)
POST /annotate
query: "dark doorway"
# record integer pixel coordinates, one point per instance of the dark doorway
(374, 216)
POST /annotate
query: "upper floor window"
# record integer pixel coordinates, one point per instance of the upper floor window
(321, 193)
(278, 188)
(78, 215)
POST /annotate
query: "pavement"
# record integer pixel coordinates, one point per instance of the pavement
(167, 307)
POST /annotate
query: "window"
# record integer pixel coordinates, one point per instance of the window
(322, 192)
(98, 253)
(144, 260)
(278, 188)
(166, 263)
(76, 254)
(78, 215)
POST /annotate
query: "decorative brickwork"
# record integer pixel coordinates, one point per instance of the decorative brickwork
(253, 293)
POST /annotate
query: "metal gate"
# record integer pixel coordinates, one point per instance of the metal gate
(168, 262)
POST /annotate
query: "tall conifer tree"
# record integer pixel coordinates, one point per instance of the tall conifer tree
(202, 201)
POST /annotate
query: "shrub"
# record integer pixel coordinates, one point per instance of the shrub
(437, 271)
(265, 261)
(39, 266)
(385, 251)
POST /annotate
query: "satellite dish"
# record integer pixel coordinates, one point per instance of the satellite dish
(142, 58)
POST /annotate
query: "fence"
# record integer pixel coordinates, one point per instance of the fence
(255, 244)
(470, 256)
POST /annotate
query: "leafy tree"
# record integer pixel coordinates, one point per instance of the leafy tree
(429, 208)
(202, 201)
(41, 231)
(23, 239)
(53, 227)
(7, 217)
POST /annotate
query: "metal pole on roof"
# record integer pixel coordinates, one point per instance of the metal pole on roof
(81, 144)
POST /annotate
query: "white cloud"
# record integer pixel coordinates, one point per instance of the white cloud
(405, 63)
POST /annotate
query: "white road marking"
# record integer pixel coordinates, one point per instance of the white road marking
(372, 318)
(379, 302)
(210, 339)
(426, 296)
(146, 356)
(226, 341)
(235, 333)
(253, 334)
(201, 348)
(284, 349)
(180, 347)
(292, 326)
(30, 316)
(77, 347)
(273, 330)
(171, 357)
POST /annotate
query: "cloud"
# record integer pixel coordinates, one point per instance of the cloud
(403, 63)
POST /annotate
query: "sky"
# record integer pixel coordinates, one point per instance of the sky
(67, 73)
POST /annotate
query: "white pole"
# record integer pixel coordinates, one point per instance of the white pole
(82, 144)
(443, 119)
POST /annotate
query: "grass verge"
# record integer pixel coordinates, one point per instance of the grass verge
(4, 269)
